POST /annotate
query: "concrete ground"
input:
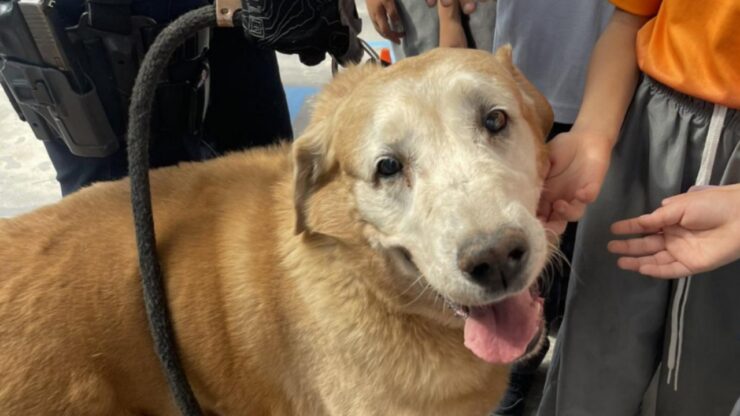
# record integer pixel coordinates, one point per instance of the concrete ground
(27, 176)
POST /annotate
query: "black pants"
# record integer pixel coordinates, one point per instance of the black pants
(558, 284)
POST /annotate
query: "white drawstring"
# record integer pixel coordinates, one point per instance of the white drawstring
(672, 347)
(684, 284)
(682, 313)
(710, 146)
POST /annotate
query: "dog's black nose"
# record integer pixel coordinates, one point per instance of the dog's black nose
(494, 261)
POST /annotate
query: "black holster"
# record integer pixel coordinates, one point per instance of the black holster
(74, 83)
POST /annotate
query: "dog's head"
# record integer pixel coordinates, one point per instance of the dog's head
(444, 157)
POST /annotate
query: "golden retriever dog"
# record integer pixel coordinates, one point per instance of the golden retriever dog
(379, 265)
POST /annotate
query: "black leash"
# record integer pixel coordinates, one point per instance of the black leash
(140, 114)
(328, 26)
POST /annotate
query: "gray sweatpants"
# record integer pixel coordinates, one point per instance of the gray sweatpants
(421, 26)
(620, 327)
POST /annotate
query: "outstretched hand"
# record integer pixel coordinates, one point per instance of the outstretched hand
(690, 233)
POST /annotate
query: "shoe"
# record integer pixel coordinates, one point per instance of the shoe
(520, 382)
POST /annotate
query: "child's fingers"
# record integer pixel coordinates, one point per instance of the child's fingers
(569, 211)
(649, 223)
(396, 24)
(467, 6)
(380, 21)
(636, 263)
(544, 209)
(661, 265)
(701, 188)
(665, 271)
(588, 193)
(628, 263)
(550, 222)
(688, 195)
(557, 227)
(644, 224)
(637, 246)
(628, 226)
(431, 3)
(674, 199)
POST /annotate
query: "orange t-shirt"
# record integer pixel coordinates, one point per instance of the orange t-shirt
(691, 46)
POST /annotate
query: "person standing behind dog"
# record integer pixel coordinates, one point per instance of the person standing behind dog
(244, 83)
(637, 140)
(415, 28)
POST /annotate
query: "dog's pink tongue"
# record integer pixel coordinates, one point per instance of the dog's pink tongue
(500, 333)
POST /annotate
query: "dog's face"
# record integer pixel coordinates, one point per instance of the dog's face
(445, 156)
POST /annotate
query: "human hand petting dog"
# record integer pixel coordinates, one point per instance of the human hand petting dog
(385, 18)
(579, 158)
(690, 233)
(578, 163)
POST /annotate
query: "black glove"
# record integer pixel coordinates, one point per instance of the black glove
(309, 28)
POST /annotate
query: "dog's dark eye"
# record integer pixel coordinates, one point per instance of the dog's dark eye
(495, 120)
(389, 166)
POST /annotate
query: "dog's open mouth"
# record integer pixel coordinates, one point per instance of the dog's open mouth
(501, 331)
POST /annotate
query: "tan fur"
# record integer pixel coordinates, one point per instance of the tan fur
(275, 313)
(536, 107)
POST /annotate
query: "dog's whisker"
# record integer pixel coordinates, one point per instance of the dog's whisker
(426, 286)
(555, 263)
(414, 283)
(557, 259)
(445, 305)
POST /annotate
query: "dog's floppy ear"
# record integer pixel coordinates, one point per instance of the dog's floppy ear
(538, 102)
(310, 161)
(312, 151)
